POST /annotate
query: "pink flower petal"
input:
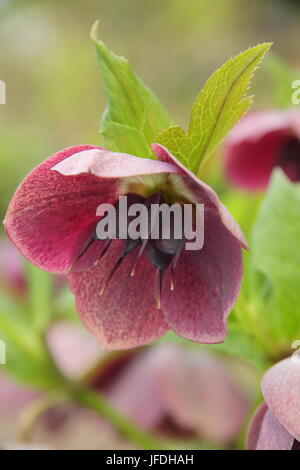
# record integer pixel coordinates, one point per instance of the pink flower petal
(106, 164)
(207, 284)
(50, 216)
(14, 398)
(135, 392)
(281, 389)
(255, 427)
(53, 212)
(74, 350)
(266, 432)
(254, 146)
(199, 393)
(126, 314)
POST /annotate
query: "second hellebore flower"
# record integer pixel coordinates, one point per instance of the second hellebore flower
(125, 296)
(260, 142)
(276, 425)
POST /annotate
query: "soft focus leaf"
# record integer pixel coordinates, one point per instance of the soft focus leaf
(220, 104)
(40, 293)
(238, 343)
(276, 256)
(133, 115)
(282, 75)
(241, 344)
(26, 357)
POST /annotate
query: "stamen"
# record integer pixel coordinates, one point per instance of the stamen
(160, 281)
(172, 284)
(161, 261)
(83, 251)
(115, 267)
(130, 246)
(144, 244)
(106, 246)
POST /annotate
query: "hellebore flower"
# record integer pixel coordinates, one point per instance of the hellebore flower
(52, 220)
(199, 398)
(260, 142)
(276, 425)
(181, 393)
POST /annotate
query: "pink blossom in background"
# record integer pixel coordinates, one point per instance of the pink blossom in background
(276, 425)
(261, 141)
(12, 271)
(175, 393)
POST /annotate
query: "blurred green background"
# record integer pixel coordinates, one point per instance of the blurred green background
(54, 91)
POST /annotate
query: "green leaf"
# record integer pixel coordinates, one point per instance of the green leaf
(276, 258)
(40, 297)
(133, 115)
(220, 104)
(241, 344)
(26, 356)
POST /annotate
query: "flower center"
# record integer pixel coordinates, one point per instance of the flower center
(289, 159)
(163, 241)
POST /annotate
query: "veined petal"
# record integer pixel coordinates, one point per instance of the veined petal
(281, 389)
(267, 433)
(53, 212)
(126, 314)
(50, 217)
(207, 283)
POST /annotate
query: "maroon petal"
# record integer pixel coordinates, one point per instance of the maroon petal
(267, 433)
(296, 445)
(202, 193)
(281, 389)
(53, 213)
(253, 147)
(51, 216)
(126, 314)
(207, 283)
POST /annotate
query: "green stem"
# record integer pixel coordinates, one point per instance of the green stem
(98, 402)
